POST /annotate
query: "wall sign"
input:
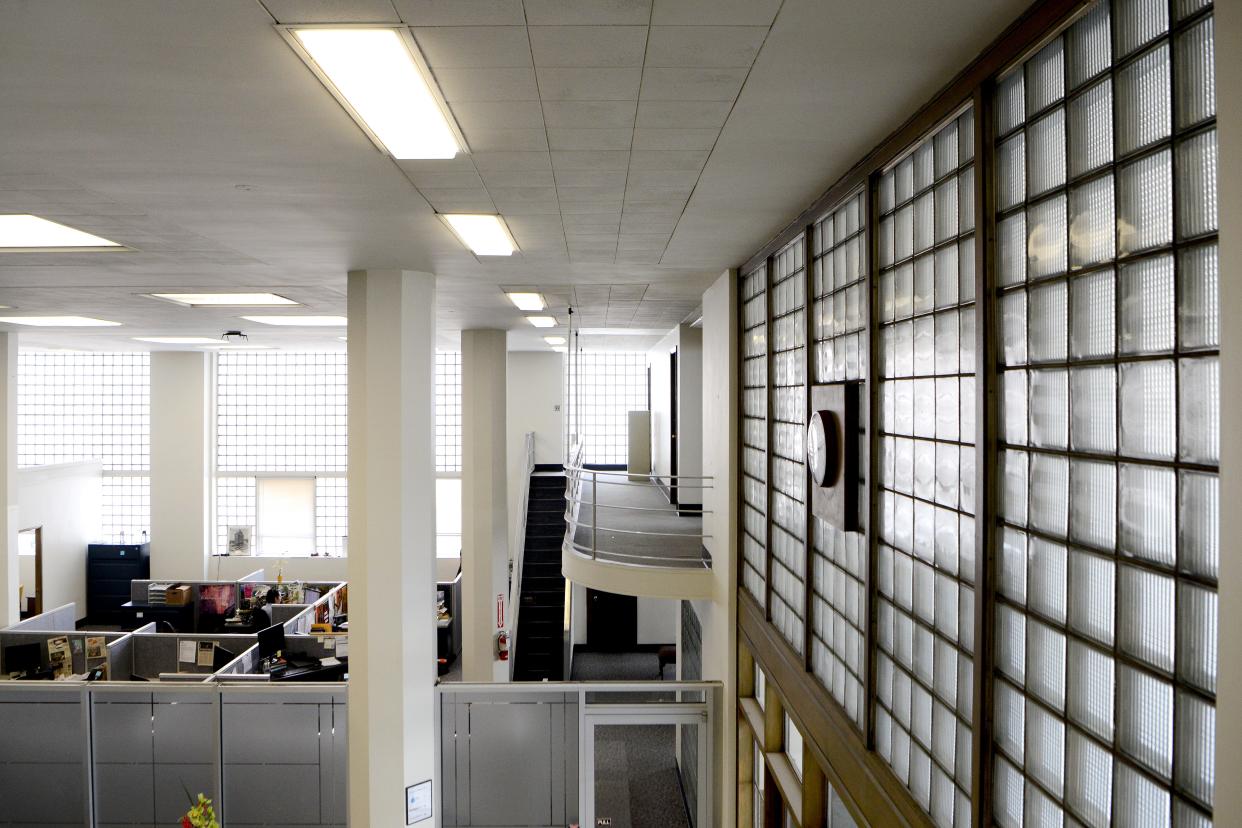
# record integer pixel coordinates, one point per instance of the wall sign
(418, 802)
(832, 440)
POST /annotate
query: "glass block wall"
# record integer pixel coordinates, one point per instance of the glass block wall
(926, 470)
(602, 389)
(838, 559)
(788, 464)
(448, 412)
(78, 405)
(754, 336)
(282, 413)
(1109, 440)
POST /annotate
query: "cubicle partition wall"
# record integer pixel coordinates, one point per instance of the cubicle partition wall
(13, 636)
(64, 617)
(110, 755)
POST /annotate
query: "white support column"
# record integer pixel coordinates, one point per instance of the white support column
(181, 438)
(484, 506)
(10, 609)
(391, 542)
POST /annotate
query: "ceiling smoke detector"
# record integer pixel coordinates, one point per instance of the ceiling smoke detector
(233, 336)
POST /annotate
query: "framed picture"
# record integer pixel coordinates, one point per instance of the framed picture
(239, 539)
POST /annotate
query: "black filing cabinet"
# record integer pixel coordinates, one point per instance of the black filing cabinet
(109, 569)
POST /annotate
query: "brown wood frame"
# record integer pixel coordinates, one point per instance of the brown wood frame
(859, 774)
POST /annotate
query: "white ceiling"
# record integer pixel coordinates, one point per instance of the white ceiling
(636, 148)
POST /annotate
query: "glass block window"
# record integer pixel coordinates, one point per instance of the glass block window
(926, 560)
(77, 405)
(602, 389)
(788, 454)
(448, 412)
(839, 353)
(1109, 440)
(754, 336)
(282, 414)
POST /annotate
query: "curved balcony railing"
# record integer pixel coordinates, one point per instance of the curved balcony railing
(622, 517)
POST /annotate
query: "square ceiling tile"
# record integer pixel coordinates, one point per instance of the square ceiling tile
(668, 204)
(610, 222)
(704, 46)
(642, 241)
(683, 114)
(675, 139)
(668, 159)
(662, 178)
(590, 160)
(488, 162)
(523, 195)
(587, 208)
(588, 12)
(650, 257)
(589, 114)
(454, 179)
(502, 140)
(590, 178)
(606, 193)
(462, 162)
(519, 178)
(456, 47)
(589, 84)
(655, 194)
(479, 84)
(457, 13)
(497, 115)
(332, 11)
(454, 200)
(626, 293)
(692, 84)
(588, 45)
(589, 139)
(719, 12)
(643, 224)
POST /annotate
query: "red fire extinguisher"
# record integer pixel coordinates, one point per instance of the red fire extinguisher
(502, 645)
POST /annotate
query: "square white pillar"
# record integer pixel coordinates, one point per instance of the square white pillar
(484, 510)
(182, 398)
(10, 608)
(392, 647)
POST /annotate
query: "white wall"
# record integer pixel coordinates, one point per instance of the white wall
(688, 342)
(657, 618)
(534, 402)
(65, 499)
(1229, 691)
(181, 438)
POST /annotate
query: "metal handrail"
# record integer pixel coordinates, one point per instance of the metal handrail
(575, 472)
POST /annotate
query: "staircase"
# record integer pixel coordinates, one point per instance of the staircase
(539, 652)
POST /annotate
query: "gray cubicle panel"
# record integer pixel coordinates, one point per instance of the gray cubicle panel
(77, 641)
(285, 756)
(64, 617)
(150, 748)
(43, 755)
(486, 786)
(160, 653)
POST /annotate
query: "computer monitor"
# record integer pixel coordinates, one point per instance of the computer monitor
(23, 658)
(271, 641)
(221, 658)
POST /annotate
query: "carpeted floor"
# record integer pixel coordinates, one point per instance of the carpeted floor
(679, 543)
(636, 782)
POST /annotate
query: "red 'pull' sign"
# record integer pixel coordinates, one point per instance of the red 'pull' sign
(500, 610)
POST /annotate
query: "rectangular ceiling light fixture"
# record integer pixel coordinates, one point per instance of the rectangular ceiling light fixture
(378, 74)
(24, 233)
(300, 321)
(542, 321)
(177, 340)
(527, 301)
(224, 300)
(59, 321)
(484, 233)
(554, 340)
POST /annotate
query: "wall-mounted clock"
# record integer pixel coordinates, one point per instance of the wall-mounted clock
(821, 448)
(832, 448)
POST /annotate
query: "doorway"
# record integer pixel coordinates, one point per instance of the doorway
(673, 426)
(30, 557)
(612, 622)
(632, 776)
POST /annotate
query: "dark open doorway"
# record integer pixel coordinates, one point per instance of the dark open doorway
(672, 424)
(612, 622)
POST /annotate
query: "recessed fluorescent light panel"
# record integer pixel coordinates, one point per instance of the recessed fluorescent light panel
(554, 340)
(30, 234)
(484, 233)
(527, 301)
(59, 321)
(177, 340)
(380, 78)
(300, 321)
(224, 300)
(542, 321)
(219, 347)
